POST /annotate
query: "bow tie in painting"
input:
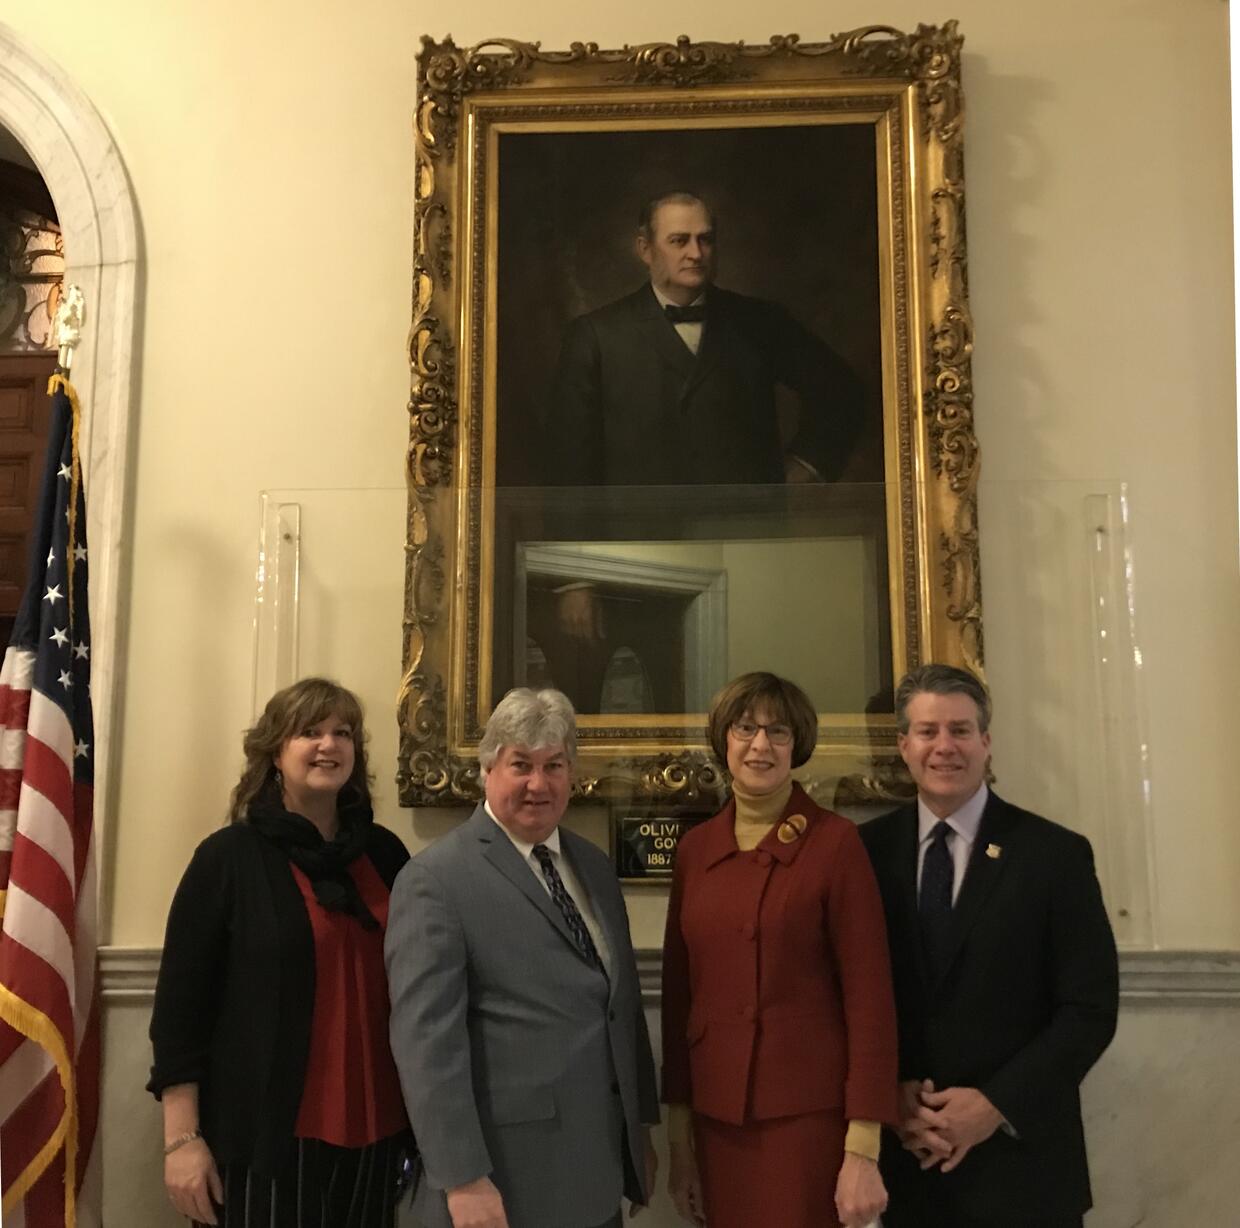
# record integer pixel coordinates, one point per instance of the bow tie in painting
(685, 315)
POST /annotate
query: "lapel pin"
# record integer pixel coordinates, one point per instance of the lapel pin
(993, 851)
(792, 828)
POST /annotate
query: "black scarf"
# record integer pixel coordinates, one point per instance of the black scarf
(324, 862)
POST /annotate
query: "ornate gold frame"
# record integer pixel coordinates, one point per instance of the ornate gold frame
(908, 85)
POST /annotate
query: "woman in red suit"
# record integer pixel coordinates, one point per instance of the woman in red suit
(779, 1033)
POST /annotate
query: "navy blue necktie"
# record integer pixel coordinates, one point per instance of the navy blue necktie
(565, 903)
(934, 903)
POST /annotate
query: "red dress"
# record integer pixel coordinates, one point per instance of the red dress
(778, 1018)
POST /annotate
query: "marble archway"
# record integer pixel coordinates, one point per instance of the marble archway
(82, 167)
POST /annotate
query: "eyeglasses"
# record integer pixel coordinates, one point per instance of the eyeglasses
(776, 735)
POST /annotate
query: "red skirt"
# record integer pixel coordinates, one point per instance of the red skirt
(776, 1172)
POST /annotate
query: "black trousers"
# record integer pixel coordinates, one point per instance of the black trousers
(321, 1186)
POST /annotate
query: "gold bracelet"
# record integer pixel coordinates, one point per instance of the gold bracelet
(181, 1139)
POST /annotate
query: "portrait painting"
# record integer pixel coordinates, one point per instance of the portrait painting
(691, 393)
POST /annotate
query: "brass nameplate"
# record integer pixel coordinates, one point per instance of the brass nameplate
(645, 847)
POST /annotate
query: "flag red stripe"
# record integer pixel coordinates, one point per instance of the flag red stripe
(28, 1127)
(45, 1201)
(45, 770)
(34, 980)
(38, 873)
(14, 706)
(10, 787)
(10, 1041)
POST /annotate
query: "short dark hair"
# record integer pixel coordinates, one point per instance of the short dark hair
(678, 196)
(786, 701)
(942, 680)
(289, 711)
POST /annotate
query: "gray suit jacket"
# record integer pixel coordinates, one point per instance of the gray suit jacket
(517, 1058)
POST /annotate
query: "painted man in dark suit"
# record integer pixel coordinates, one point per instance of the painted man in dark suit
(675, 384)
(1005, 976)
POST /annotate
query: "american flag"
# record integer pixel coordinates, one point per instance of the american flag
(49, 1014)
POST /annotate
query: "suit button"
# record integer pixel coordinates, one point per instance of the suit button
(750, 1013)
(611, 1015)
(615, 1089)
(764, 859)
(749, 930)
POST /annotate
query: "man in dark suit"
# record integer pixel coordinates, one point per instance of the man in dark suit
(1005, 975)
(675, 383)
(517, 1022)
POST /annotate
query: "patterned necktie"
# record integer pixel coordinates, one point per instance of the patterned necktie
(564, 902)
(934, 903)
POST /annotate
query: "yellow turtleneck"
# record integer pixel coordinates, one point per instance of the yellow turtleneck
(756, 814)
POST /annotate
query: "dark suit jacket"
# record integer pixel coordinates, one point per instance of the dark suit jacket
(1027, 1005)
(776, 991)
(633, 406)
(517, 1057)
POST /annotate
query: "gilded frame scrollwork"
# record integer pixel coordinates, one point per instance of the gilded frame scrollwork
(910, 85)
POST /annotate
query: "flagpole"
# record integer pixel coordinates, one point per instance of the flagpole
(67, 326)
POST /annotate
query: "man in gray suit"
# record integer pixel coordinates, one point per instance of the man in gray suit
(517, 1021)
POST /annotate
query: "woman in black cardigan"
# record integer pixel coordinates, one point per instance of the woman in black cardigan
(281, 1100)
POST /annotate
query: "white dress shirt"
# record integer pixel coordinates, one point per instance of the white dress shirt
(571, 883)
(963, 823)
(690, 334)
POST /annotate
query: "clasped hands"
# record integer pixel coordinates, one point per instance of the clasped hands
(941, 1128)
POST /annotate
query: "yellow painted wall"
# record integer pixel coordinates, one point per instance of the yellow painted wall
(269, 150)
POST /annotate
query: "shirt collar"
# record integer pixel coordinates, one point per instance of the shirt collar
(523, 846)
(964, 822)
(664, 301)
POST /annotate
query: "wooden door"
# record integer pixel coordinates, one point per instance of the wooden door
(24, 416)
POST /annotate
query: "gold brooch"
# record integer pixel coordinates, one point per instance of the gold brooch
(792, 828)
(993, 851)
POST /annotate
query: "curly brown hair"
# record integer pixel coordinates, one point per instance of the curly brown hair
(298, 707)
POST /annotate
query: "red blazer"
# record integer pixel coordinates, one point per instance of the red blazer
(776, 982)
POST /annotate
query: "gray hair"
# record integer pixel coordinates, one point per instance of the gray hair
(533, 719)
(942, 680)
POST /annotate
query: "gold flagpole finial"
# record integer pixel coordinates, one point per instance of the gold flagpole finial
(67, 326)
